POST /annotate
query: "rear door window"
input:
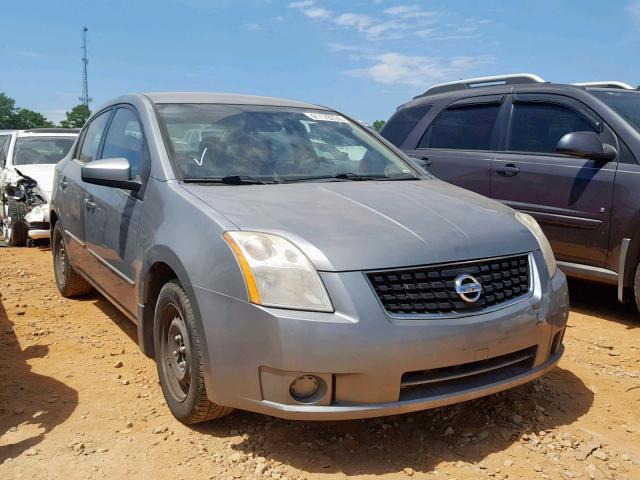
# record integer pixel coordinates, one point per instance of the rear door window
(400, 125)
(537, 127)
(468, 127)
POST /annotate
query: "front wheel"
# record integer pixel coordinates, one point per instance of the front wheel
(179, 358)
(636, 287)
(14, 228)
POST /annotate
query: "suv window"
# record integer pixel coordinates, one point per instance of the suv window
(93, 136)
(537, 127)
(399, 126)
(125, 139)
(462, 128)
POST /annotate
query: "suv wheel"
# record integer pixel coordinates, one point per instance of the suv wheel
(179, 358)
(68, 281)
(636, 287)
(14, 228)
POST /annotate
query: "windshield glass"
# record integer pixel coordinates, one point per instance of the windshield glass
(626, 104)
(41, 150)
(274, 144)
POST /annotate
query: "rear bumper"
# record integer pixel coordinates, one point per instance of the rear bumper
(361, 355)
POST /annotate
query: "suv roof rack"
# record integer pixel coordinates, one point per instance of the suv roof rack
(53, 130)
(606, 84)
(511, 79)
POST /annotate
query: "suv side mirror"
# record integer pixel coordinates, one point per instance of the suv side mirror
(110, 172)
(586, 145)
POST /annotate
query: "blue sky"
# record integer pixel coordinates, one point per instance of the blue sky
(360, 57)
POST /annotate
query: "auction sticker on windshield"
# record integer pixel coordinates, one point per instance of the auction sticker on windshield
(326, 117)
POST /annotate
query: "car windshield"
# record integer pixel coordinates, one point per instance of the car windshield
(626, 104)
(41, 150)
(275, 144)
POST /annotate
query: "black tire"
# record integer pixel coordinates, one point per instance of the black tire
(179, 358)
(14, 227)
(636, 287)
(69, 282)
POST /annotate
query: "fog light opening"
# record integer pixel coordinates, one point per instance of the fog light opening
(307, 388)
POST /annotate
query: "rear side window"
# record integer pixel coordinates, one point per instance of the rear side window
(399, 126)
(462, 128)
(125, 139)
(93, 136)
(537, 127)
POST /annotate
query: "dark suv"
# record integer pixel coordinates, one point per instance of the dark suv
(569, 155)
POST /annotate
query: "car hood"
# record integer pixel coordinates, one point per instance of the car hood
(43, 174)
(367, 225)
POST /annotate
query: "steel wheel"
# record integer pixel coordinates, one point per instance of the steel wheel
(7, 230)
(60, 259)
(176, 353)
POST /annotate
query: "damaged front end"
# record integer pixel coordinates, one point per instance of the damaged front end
(24, 189)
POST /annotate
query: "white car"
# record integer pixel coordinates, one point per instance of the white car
(27, 162)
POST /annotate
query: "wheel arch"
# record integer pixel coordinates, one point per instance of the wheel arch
(161, 265)
(631, 259)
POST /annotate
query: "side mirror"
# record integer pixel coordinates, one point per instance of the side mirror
(109, 172)
(585, 145)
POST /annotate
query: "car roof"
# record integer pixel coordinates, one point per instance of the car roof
(539, 87)
(226, 98)
(49, 132)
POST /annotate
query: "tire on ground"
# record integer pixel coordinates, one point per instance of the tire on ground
(69, 282)
(195, 407)
(17, 211)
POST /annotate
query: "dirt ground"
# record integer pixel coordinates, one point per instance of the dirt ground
(79, 401)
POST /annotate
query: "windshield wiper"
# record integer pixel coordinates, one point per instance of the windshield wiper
(229, 180)
(402, 176)
(351, 176)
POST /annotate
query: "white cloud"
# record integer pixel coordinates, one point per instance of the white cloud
(414, 26)
(394, 68)
(409, 11)
(309, 8)
(252, 26)
(633, 9)
(360, 22)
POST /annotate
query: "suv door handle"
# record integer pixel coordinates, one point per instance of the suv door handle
(509, 170)
(422, 159)
(89, 204)
(63, 183)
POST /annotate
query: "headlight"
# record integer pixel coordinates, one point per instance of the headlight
(530, 222)
(277, 273)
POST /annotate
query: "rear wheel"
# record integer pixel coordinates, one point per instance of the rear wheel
(14, 228)
(68, 281)
(179, 358)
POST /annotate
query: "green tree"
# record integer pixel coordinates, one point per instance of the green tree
(25, 119)
(7, 111)
(77, 117)
(378, 124)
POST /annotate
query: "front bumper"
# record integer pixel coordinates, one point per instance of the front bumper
(361, 354)
(37, 221)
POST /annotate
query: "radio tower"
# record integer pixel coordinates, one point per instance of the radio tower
(85, 98)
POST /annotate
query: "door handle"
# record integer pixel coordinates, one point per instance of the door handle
(89, 204)
(63, 183)
(422, 159)
(509, 170)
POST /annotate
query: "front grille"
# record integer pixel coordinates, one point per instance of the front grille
(457, 378)
(431, 290)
